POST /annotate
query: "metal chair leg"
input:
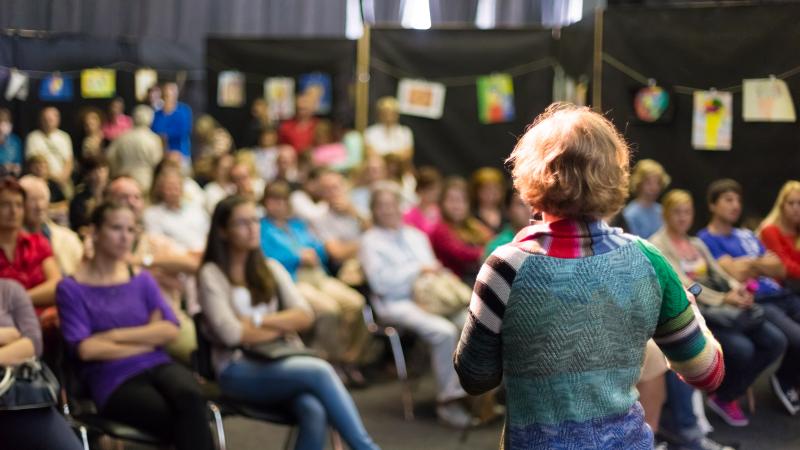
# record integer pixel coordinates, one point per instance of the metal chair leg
(84, 437)
(217, 415)
(402, 372)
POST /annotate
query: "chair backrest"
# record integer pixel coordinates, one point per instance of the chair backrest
(201, 359)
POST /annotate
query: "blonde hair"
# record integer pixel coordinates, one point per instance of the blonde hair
(674, 198)
(572, 163)
(776, 214)
(646, 168)
(387, 102)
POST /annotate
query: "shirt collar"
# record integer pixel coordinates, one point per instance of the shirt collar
(570, 238)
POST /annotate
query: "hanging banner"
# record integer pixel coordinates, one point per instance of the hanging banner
(17, 87)
(56, 88)
(144, 79)
(279, 94)
(98, 83)
(767, 100)
(230, 89)
(652, 104)
(712, 125)
(420, 98)
(318, 86)
(495, 98)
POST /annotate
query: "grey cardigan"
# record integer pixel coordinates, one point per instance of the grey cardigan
(709, 296)
(223, 325)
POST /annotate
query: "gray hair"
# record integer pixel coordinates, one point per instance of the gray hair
(143, 116)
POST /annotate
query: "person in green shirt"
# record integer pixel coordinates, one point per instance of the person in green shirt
(519, 217)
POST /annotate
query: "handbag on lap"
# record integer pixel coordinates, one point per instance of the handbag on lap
(29, 385)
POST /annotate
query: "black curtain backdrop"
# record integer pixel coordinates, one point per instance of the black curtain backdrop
(704, 48)
(259, 59)
(458, 143)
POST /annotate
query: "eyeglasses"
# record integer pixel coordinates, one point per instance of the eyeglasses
(244, 222)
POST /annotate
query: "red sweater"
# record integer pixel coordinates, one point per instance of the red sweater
(460, 257)
(784, 246)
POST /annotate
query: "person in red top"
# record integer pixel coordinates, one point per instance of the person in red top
(300, 131)
(780, 231)
(26, 258)
(458, 239)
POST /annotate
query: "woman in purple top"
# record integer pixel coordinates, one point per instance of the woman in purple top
(116, 322)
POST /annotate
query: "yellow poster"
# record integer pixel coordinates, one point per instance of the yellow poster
(98, 83)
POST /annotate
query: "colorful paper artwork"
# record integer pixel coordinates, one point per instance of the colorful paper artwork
(17, 87)
(56, 88)
(279, 94)
(712, 125)
(421, 98)
(495, 98)
(98, 83)
(230, 89)
(144, 79)
(767, 100)
(318, 87)
(651, 104)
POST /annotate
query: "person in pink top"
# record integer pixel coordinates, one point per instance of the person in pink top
(117, 121)
(425, 215)
(780, 231)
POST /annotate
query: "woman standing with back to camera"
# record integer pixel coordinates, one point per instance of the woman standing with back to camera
(562, 313)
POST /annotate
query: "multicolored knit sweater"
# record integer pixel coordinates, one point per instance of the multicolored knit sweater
(562, 315)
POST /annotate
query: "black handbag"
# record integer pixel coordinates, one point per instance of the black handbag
(733, 318)
(29, 385)
(280, 348)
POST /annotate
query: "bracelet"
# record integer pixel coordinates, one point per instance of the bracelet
(258, 319)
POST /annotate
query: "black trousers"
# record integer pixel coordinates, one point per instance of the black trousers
(36, 429)
(165, 401)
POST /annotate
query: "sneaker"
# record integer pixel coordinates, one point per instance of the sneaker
(787, 394)
(730, 412)
(661, 446)
(705, 443)
(454, 415)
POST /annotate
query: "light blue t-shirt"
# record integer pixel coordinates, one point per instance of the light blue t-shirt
(643, 221)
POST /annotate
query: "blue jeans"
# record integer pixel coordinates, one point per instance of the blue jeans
(783, 311)
(747, 354)
(678, 418)
(306, 386)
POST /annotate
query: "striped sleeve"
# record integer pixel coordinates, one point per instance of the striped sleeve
(478, 357)
(690, 347)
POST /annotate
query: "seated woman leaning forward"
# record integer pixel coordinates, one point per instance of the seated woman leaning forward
(116, 322)
(562, 314)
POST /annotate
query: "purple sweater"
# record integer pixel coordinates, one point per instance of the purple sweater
(85, 310)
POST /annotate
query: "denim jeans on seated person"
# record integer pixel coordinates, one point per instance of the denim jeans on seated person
(783, 311)
(678, 418)
(305, 386)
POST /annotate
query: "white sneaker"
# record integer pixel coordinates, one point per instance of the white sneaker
(786, 394)
(454, 415)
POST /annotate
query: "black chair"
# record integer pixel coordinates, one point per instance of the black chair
(392, 335)
(222, 405)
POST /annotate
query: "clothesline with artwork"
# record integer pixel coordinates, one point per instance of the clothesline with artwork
(763, 100)
(279, 92)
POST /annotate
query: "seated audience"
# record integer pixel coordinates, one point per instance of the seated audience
(183, 221)
(26, 257)
(265, 154)
(340, 228)
(459, 238)
(579, 346)
(487, 191)
(93, 142)
(781, 229)
(20, 340)
(66, 244)
(339, 329)
(10, 145)
(299, 131)
(643, 213)
(395, 256)
(425, 215)
(388, 136)
(137, 152)
(519, 216)
(401, 171)
(173, 122)
(307, 202)
(54, 146)
(117, 123)
(88, 194)
(37, 166)
(747, 352)
(171, 265)
(260, 120)
(243, 176)
(739, 252)
(373, 171)
(248, 300)
(220, 185)
(116, 322)
(287, 168)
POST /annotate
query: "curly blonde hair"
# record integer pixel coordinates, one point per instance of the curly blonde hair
(571, 163)
(646, 168)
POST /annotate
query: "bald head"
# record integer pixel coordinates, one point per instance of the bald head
(126, 190)
(37, 200)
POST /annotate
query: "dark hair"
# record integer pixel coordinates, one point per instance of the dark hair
(719, 187)
(276, 189)
(93, 162)
(5, 113)
(99, 213)
(451, 184)
(9, 183)
(427, 177)
(260, 281)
